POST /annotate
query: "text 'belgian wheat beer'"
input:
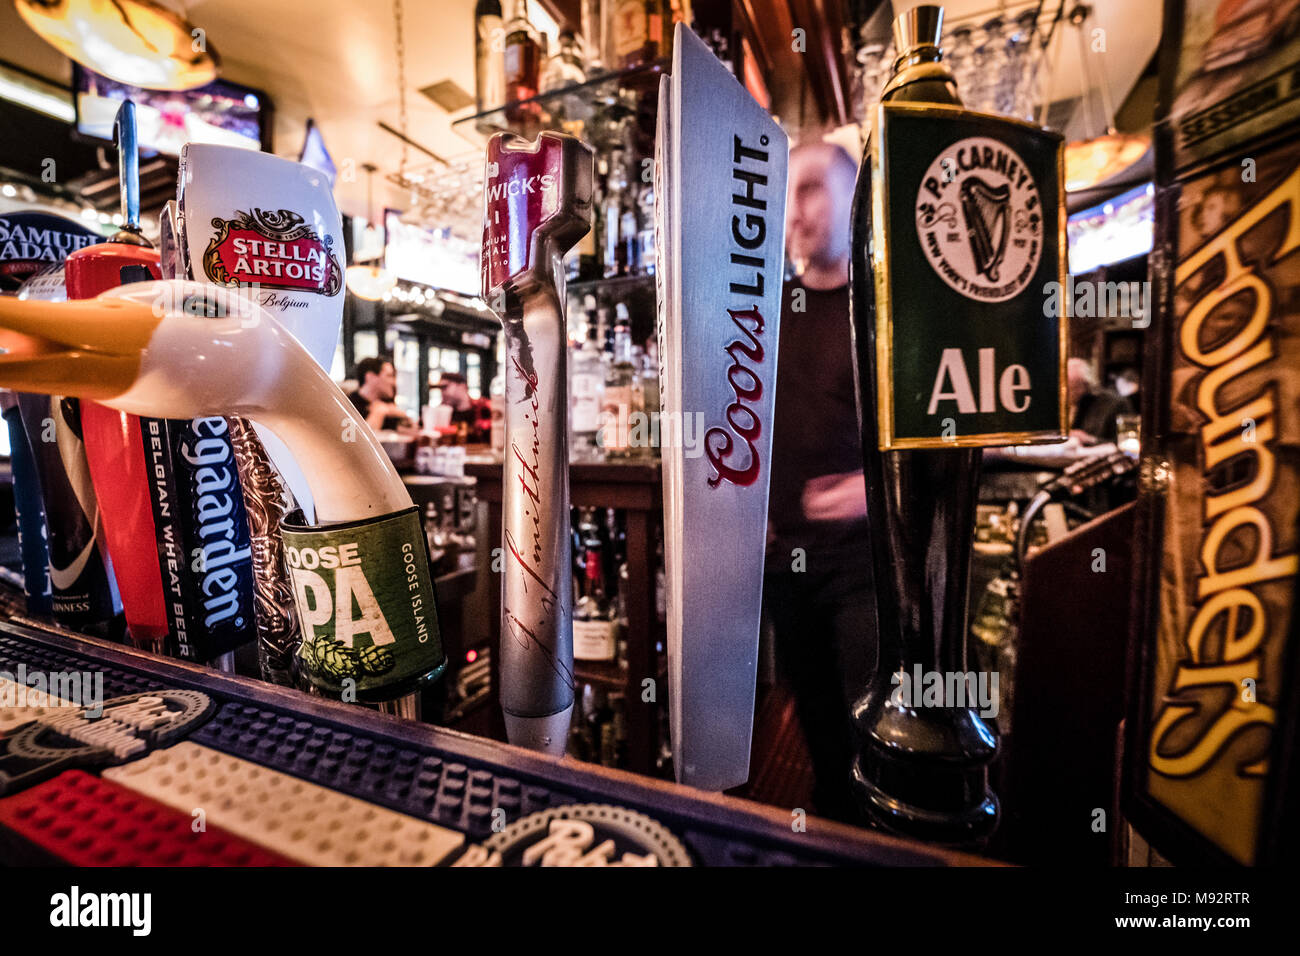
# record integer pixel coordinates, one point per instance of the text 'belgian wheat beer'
(720, 176)
(958, 239)
(537, 205)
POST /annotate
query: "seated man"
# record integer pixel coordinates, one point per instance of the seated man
(375, 394)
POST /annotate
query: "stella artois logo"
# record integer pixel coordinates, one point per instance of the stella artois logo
(980, 220)
(275, 250)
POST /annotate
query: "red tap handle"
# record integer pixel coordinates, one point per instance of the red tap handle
(537, 203)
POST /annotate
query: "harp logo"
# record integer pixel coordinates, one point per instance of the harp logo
(980, 220)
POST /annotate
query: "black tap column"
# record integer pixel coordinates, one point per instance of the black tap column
(956, 238)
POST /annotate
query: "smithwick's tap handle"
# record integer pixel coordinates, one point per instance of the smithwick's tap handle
(128, 171)
(537, 205)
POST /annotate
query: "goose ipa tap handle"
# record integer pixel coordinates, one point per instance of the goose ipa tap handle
(537, 205)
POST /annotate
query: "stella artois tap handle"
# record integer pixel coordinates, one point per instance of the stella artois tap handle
(537, 206)
(125, 349)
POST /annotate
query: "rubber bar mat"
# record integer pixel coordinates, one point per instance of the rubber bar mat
(416, 778)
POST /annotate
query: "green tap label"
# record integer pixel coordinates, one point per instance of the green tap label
(969, 262)
(366, 603)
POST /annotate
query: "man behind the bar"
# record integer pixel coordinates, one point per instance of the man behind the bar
(474, 413)
(818, 588)
(1093, 408)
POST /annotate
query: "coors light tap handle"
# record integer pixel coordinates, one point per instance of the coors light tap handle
(957, 238)
(538, 205)
(720, 185)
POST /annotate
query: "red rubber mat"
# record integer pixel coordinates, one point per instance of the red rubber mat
(79, 819)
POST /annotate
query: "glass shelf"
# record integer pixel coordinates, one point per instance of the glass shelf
(573, 109)
(613, 285)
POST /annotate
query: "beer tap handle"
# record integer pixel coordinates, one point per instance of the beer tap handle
(537, 206)
(128, 174)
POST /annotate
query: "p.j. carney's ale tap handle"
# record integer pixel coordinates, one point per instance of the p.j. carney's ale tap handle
(177, 349)
(537, 206)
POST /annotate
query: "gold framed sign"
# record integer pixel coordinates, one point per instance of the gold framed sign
(969, 264)
(1211, 727)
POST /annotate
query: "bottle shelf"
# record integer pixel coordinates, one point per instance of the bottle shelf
(612, 285)
(609, 674)
(560, 108)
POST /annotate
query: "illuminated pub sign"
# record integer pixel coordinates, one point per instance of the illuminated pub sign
(1212, 724)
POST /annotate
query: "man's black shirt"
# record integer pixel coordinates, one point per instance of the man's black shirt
(1096, 413)
(815, 428)
(363, 406)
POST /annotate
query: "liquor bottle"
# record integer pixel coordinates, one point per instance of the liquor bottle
(523, 64)
(581, 746)
(637, 32)
(593, 31)
(614, 258)
(595, 630)
(950, 179)
(588, 255)
(618, 707)
(645, 245)
(588, 390)
(620, 392)
(629, 230)
(650, 394)
(599, 721)
(489, 56)
(565, 68)
(639, 422)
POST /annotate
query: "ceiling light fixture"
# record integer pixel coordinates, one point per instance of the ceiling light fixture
(370, 281)
(136, 42)
(1092, 162)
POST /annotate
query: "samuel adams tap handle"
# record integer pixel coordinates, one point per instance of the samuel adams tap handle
(537, 206)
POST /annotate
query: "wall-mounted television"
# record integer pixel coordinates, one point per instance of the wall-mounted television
(433, 257)
(221, 112)
(1121, 228)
